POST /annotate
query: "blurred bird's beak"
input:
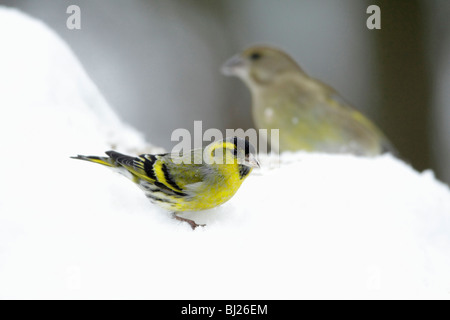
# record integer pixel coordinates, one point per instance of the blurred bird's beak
(234, 66)
(251, 161)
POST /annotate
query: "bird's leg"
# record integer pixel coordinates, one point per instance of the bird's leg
(192, 223)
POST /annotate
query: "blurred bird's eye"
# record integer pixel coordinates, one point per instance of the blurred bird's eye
(255, 56)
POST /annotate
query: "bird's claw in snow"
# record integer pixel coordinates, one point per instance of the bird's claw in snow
(192, 223)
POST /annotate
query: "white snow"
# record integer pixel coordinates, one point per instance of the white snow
(319, 226)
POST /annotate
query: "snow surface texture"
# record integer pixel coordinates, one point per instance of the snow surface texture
(319, 226)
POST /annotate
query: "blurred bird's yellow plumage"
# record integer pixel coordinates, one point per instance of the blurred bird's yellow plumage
(309, 114)
(198, 180)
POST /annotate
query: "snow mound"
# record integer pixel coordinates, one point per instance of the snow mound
(319, 226)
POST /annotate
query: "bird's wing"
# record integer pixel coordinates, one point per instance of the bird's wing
(141, 166)
(187, 169)
(150, 168)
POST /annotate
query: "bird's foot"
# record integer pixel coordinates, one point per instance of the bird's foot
(192, 223)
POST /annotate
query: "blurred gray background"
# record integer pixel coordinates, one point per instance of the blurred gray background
(157, 62)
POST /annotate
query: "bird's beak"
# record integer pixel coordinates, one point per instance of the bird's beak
(234, 66)
(251, 161)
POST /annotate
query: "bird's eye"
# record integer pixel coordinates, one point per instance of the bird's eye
(255, 56)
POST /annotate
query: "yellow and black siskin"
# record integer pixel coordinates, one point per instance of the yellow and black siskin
(197, 180)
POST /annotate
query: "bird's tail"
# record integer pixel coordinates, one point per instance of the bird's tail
(118, 162)
(106, 161)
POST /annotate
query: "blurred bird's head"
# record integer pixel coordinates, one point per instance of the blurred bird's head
(260, 65)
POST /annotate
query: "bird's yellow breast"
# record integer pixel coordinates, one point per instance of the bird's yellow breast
(213, 193)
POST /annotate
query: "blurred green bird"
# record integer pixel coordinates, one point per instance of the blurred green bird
(309, 114)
